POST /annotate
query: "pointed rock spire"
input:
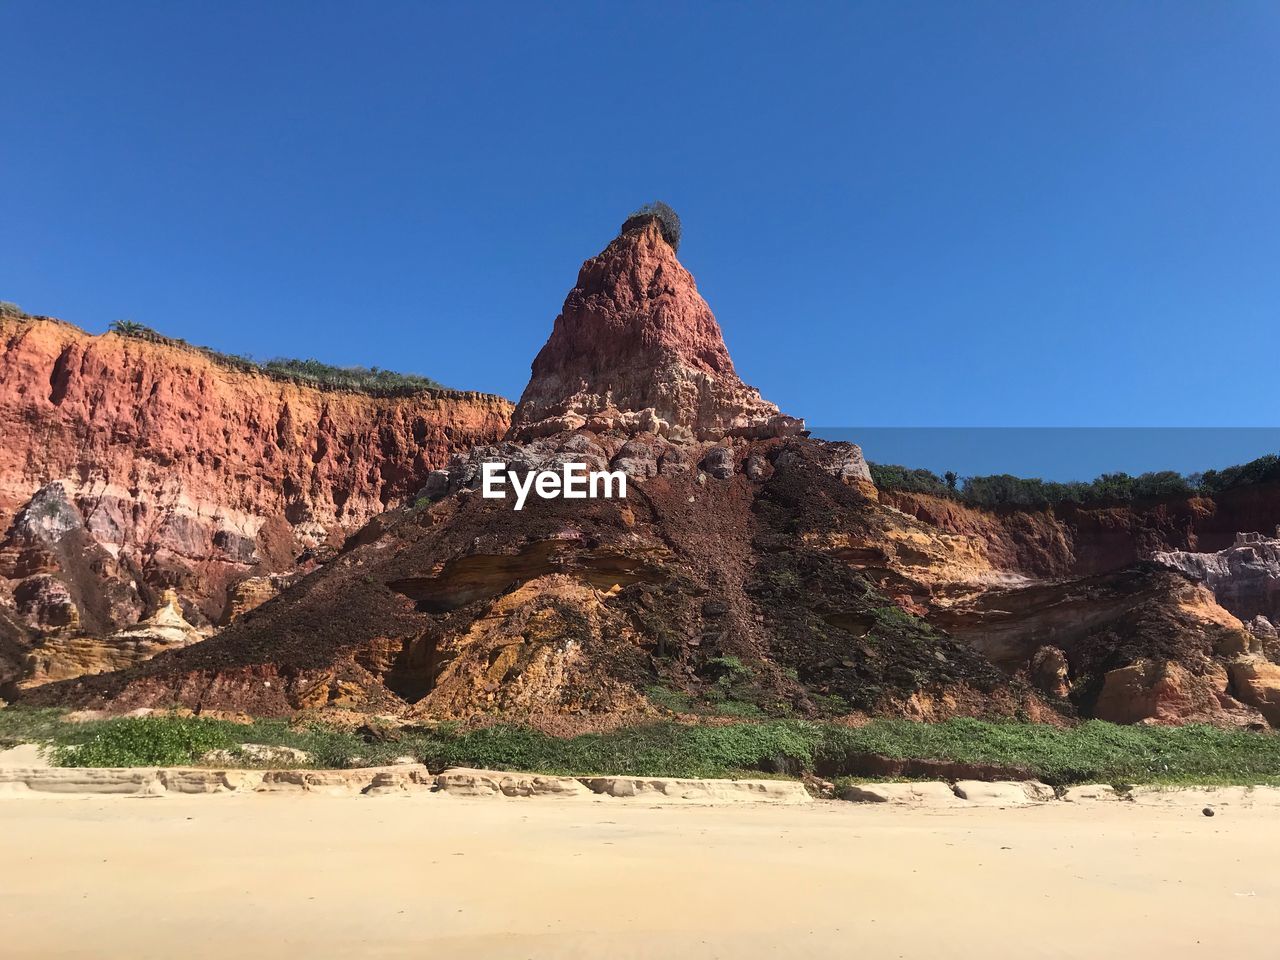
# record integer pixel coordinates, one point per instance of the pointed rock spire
(636, 349)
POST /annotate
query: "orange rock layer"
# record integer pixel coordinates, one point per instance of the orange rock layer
(196, 472)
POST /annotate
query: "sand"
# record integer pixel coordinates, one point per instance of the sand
(25, 756)
(416, 876)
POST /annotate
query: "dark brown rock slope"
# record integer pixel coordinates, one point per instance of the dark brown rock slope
(568, 615)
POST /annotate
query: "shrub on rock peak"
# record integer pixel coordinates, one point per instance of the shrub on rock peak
(667, 219)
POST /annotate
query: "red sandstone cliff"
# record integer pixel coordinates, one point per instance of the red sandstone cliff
(748, 562)
(190, 474)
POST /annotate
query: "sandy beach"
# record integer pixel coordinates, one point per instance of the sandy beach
(253, 876)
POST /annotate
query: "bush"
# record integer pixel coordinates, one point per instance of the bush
(143, 742)
(27, 725)
(1263, 470)
(1006, 490)
(369, 380)
(363, 379)
(1095, 751)
(890, 476)
(664, 749)
(668, 221)
(12, 310)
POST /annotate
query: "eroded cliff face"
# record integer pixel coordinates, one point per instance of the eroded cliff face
(128, 467)
(1140, 644)
(1132, 612)
(1245, 577)
(64, 654)
(1082, 540)
(726, 587)
(750, 570)
(719, 575)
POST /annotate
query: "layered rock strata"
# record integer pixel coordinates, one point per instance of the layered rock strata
(69, 654)
(1245, 577)
(168, 468)
(750, 570)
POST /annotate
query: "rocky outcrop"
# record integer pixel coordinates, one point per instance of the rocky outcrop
(1166, 692)
(749, 570)
(1080, 540)
(1257, 682)
(181, 471)
(569, 614)
(563, 614)
(1142, 644)
(1245, 577)
(66, 655)
(56, 574)
(394, 780)
(45, 603)
(253, 592)
(637, 349)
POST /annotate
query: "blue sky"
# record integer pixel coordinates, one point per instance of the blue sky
(997, 214)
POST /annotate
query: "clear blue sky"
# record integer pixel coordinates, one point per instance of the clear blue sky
(944, 213)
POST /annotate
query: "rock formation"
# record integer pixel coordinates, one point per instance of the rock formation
(1078, 540)
(1138, 644)
(750, 570)
(637, 349)
(720, 575)
(69, 654)
(569, 613)
(1245, 577)
(130, 466)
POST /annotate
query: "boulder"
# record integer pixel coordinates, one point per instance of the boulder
(1163, 692)
(757, 468)
(1256, 681)
(1050, 673)
(719, 462)
(915, 794)
(637, 459)
(1003, 793)
(1262, 628)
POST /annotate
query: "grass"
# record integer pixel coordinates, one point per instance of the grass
(139, 742)
(1094, 752)
(368, 380)
(27, 725)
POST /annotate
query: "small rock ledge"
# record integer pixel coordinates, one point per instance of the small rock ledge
(415, 779)
(392, 780)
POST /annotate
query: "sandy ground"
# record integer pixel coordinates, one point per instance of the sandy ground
(250, 877)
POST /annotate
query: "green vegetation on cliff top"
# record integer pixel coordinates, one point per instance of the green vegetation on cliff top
(324, 376)
(1004, 490)
(369, 380)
